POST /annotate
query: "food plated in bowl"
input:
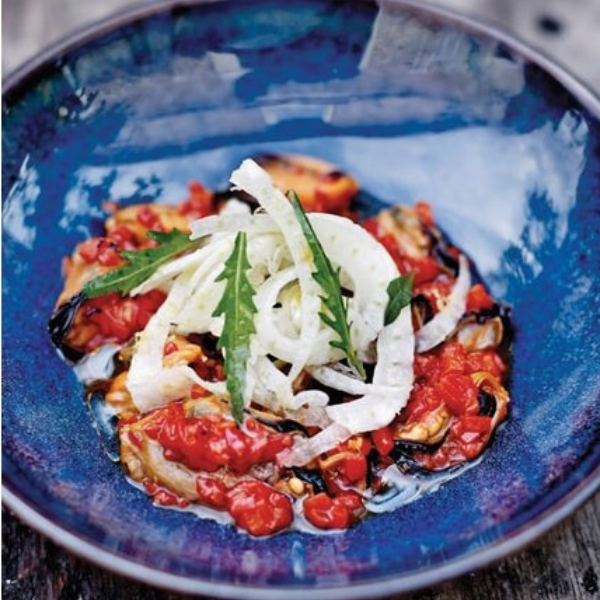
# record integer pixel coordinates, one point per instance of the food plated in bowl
(260, 361)
(504, 153)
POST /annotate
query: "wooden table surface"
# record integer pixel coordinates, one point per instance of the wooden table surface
(564, 564)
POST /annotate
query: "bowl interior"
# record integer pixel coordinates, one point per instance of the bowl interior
(417, 107)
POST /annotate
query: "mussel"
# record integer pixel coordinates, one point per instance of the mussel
(59, 325)
(475, 333)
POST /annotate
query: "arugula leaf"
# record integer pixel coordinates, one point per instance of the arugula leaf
(141, 265)
(337, 316)
(239, 309)
(399, 292)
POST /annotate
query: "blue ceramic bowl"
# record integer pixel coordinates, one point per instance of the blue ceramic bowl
(417, 104)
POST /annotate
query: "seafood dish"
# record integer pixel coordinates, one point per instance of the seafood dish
(274, 357)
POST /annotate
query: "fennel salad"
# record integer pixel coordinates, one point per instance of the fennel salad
(265, 357)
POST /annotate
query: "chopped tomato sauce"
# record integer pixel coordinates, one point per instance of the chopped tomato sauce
(339, 512)
(149, 219)
(333, 193)
(101, 250)
(198, 391)
(466, 440)
(442, 378)
(112, 318)
(259, 508)
(424, 269)
(169, 348)
(163, 496)
(383, 440)
(346, 465)
(425, 212)
(211, 492)
(106, 250)
(478, 299)
(210, 442)
(354, 468)
(458, 392)
(200, 202)
(485, 360)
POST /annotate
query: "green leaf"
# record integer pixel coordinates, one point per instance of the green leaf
(399, 293)
(336, 317)
(141, 265)
(238, 306)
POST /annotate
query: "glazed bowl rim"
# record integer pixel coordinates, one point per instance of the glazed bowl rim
(30, 514)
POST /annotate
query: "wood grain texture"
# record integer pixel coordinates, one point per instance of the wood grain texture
(565, 564)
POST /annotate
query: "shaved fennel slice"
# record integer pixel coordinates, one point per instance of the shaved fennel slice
(268, 255)
(233, 206)
(393, 371)
(264, 253)
(273, 388)
(166, 273)
(393, 376)
(149, 383)
(396, 353)
(278, 329)
(444, 323)
(309, 398)
(337, 379)
(196, 316)
(232, 223)
(271, 339)
(306, 449)
(311, 416)
(323, 352)
(253, 179)
(239, 213)
(367, 270)
(368, 267)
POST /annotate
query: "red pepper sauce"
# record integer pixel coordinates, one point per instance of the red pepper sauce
(211, 442)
